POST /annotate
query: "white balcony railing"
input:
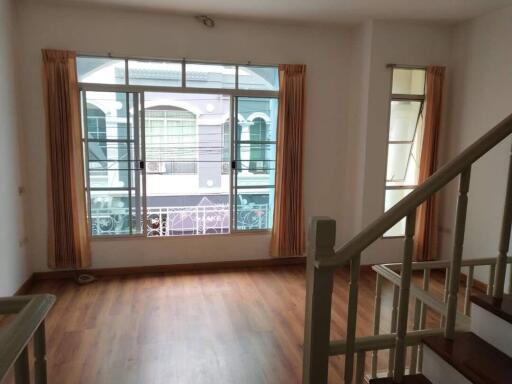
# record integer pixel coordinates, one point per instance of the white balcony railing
(179, 221)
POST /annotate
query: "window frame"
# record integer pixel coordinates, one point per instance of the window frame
(233, 93)
(401, 97)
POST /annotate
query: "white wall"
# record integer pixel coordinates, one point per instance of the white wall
(479, 97)
(326, 52)
(13, 259)
(399, 43)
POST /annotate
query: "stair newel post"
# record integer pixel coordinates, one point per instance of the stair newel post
(355, 264)
(319, 286)
(506, 227)
(456, 261)
(403, 300)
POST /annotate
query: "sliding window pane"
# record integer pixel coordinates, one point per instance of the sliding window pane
(101, 70)
(257, 119)
(157, 73)
(254, 209)
(256, 165)
(107, 115)
(398, 158)
(116, 212)
(404, 119)
(255, 156)
(113, 149)
(210, 76)
(408, 81)
(258, 78)
(393, 196)
(110, 213)
(187, 145)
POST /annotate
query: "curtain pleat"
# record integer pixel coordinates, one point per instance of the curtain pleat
(68, 233)
(288, 227)
(426, 216)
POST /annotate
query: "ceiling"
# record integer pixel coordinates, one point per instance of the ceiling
(319, 11)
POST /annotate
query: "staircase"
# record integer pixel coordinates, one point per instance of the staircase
(481, 356)
(472, 343)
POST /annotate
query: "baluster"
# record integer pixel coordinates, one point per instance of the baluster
(355, 264)
(21, 368)
(360, 367)
(510, 279)
(415, 326)
(423, 316)
(458, 243)
(490, 284)
(322, 233)
(376, 320)
(506, 227)
(445, 293)
(394, 306)
(403, 301)
(469, 286)
(40, 355)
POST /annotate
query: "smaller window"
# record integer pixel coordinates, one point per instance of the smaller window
(404, 139)
(408, 81)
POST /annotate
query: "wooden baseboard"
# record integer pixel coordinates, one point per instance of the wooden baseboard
(25, 287)
(173, 268)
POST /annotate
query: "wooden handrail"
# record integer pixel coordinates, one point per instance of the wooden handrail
(434, 183)
(14, 337)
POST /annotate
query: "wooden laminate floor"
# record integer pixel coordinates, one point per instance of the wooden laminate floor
(233, 326)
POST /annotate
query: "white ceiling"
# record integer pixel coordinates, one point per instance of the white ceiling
(319, 11)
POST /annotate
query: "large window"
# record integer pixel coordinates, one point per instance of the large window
(176, 148)
(404, 139)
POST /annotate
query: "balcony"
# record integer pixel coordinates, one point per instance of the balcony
(180, 221)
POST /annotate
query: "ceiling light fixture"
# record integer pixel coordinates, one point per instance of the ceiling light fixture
(206, 21)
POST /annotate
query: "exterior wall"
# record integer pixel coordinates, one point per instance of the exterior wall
(479, 97)
(326, 52)
(13, 258)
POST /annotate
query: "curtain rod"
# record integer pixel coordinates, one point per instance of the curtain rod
(111, 56)
(406, 66)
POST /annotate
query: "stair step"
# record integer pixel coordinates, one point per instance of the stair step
(499, 307)
(408, 379)
(491, 320)
(473, 357)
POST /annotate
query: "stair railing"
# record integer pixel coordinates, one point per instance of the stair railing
(30, 312)
(323, 260)
(423, 299)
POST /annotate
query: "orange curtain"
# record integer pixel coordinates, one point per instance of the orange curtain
(288, 227)
(426, 215)
(68, 233)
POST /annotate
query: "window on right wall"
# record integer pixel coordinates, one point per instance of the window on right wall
(404, 138)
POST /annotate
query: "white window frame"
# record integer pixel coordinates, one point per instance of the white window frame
(400, 97)
(140, 90)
